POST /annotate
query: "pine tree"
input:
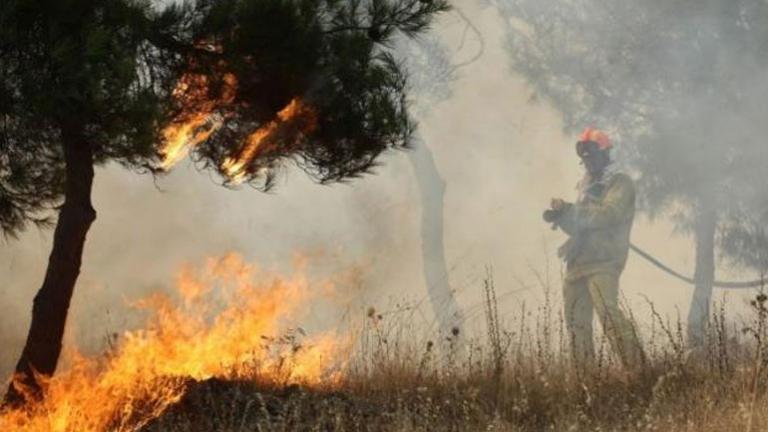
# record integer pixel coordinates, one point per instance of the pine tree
(433, 70)
(243, 86)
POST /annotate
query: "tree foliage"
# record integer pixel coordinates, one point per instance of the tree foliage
(113, 68)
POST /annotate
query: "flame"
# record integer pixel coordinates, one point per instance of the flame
(229, 326)
(202, 116)
(199, 117)
(296, 113)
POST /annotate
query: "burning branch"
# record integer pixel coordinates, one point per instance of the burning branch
(202, 116)
(296, 117)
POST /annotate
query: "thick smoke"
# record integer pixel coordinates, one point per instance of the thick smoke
(502, 153)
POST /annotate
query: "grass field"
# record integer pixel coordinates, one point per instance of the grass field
(518, 378)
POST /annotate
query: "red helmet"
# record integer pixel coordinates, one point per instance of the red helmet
(597, 136)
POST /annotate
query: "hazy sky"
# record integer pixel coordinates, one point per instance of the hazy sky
(502, 154)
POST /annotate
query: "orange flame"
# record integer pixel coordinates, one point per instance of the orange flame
(202, 116)
(198, 120)
(296, 113)
(229, 332)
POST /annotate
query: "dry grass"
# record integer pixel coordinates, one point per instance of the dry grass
(519, 378)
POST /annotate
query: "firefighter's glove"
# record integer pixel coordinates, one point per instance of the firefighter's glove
(557, 204)
(555, 210)
(551, 215)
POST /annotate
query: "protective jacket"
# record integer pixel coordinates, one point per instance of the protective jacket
(598, 226)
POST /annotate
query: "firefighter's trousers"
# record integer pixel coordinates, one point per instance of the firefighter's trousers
(599, 293)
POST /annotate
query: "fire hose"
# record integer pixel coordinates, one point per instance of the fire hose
(550, 217)
(718, 284)
(653, 260)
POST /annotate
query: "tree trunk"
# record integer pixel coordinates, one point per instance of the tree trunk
(432, 190)
(51, 304)
(704, 273)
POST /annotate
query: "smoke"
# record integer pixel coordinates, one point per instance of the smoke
(679, 86)
(502, 153)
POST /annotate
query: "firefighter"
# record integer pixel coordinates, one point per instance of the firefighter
(598, 226)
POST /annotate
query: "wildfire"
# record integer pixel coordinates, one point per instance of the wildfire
(201, 116)
(229, 325)
(295, 115)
